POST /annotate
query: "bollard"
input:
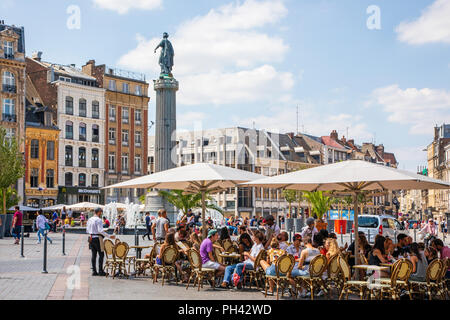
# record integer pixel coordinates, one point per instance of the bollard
(342, 236)
(64, 241)
(22, 230)
(45, 253)
(368, 235)
(395, 236)
(415, 240)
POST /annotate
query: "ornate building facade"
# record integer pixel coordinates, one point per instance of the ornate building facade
(12, 93)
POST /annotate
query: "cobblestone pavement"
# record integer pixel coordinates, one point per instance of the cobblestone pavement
(22, 278)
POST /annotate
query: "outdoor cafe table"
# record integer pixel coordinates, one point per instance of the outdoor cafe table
(230, 256)
(139, 250)
(369, 267)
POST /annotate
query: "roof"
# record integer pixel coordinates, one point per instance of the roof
(390, 157)
(331, 143)
(69, 71)
(20, 32)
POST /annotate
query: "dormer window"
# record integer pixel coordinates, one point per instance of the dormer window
(8, 48)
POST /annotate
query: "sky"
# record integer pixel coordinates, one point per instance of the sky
(378, 71)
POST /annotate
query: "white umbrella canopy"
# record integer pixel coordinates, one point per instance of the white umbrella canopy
(55, 207)
(85, 206)
(196, 177)
(352, 177)
(23, 208)
(199, 177)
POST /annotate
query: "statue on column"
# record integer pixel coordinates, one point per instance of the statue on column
(166, 56)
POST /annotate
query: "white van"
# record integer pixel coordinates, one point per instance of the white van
(385, 225)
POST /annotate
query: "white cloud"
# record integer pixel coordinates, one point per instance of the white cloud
(223, 56)
(410, 157)
(189, 120)
(431, 27)
(421, 109)
(123, 6)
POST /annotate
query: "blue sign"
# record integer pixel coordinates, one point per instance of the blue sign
(334, 215)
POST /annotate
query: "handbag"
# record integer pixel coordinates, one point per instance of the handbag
(237, 278)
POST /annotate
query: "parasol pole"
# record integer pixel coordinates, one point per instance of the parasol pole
(355, 221)
(203, 214)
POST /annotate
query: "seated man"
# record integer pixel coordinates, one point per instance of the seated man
(283, 237)
(206, 253)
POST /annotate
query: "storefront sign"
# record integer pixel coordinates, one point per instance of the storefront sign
(334, 215)
(89, 191)
(37, 192)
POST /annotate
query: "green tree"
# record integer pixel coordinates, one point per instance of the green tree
(290, 196)
(185, 201)
(12, 197)
(320, 204)
(12, 164)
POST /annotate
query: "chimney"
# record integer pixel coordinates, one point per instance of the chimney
(88, 67)
(351, 141)
(334, 135)
(291, 135)
(344, 141)
(380, 150)
(37, 56)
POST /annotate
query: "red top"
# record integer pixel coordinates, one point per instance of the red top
(18, 215)
(323, 251)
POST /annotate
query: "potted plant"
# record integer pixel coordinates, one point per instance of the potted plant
(320, 204)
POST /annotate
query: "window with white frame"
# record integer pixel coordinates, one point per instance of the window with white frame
(9, 79)
(112, 135)
(125, 115)
(9, 106)
(112, 161)
(8, 48)
(137, 164)
(137, 138)
(125, 163)
(125, 137)
(125, 87)
(138, 116)
(112, 113)
(112, 85)
(138, 90)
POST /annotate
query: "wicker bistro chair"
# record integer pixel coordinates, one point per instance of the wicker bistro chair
(283, 265)
(431, 285)
(334, 278)
(443, 281)
(197, 272)
(109, 255)
(401, 271)
(168, 258)
(348, 285)
(120, 258)
(227, 244)
(217, 256)
(402, 277)
(257, 273)
(142, 265)
(317, 267)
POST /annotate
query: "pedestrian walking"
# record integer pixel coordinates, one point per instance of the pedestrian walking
(96, 233)
(16, 226)
(42, 226)
(148, 225)
(54, 221)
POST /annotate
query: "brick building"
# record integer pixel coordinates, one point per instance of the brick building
(126, 103)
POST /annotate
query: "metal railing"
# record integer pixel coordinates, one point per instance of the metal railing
(9, 88)
(9, 117)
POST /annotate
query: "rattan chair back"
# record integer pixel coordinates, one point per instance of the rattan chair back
(109, 248)
(445, 265)
(228, 245)
(345, 268)
(333, 266)
(121, 250)
(169, 256)
(258, 259)
(434, 270)
(317, 266)
(284, 264)
(195, 259)
(217, 255)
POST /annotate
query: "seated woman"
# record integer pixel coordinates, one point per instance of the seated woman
(168, 242)
(308, 253)
(431, 254)
(249, 258)
(364, 247)
(269, 265)
(378, 253)
(420, 263)
(245, 244)
(182, 264)
(195, 241)
(332, 247)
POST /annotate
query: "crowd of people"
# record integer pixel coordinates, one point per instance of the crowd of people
(254, 235)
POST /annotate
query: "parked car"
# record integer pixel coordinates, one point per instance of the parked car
(384, 225)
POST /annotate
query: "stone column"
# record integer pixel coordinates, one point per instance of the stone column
(165, 140)
(165, 125)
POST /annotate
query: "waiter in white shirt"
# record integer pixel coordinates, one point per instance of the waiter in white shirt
(96, 233)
